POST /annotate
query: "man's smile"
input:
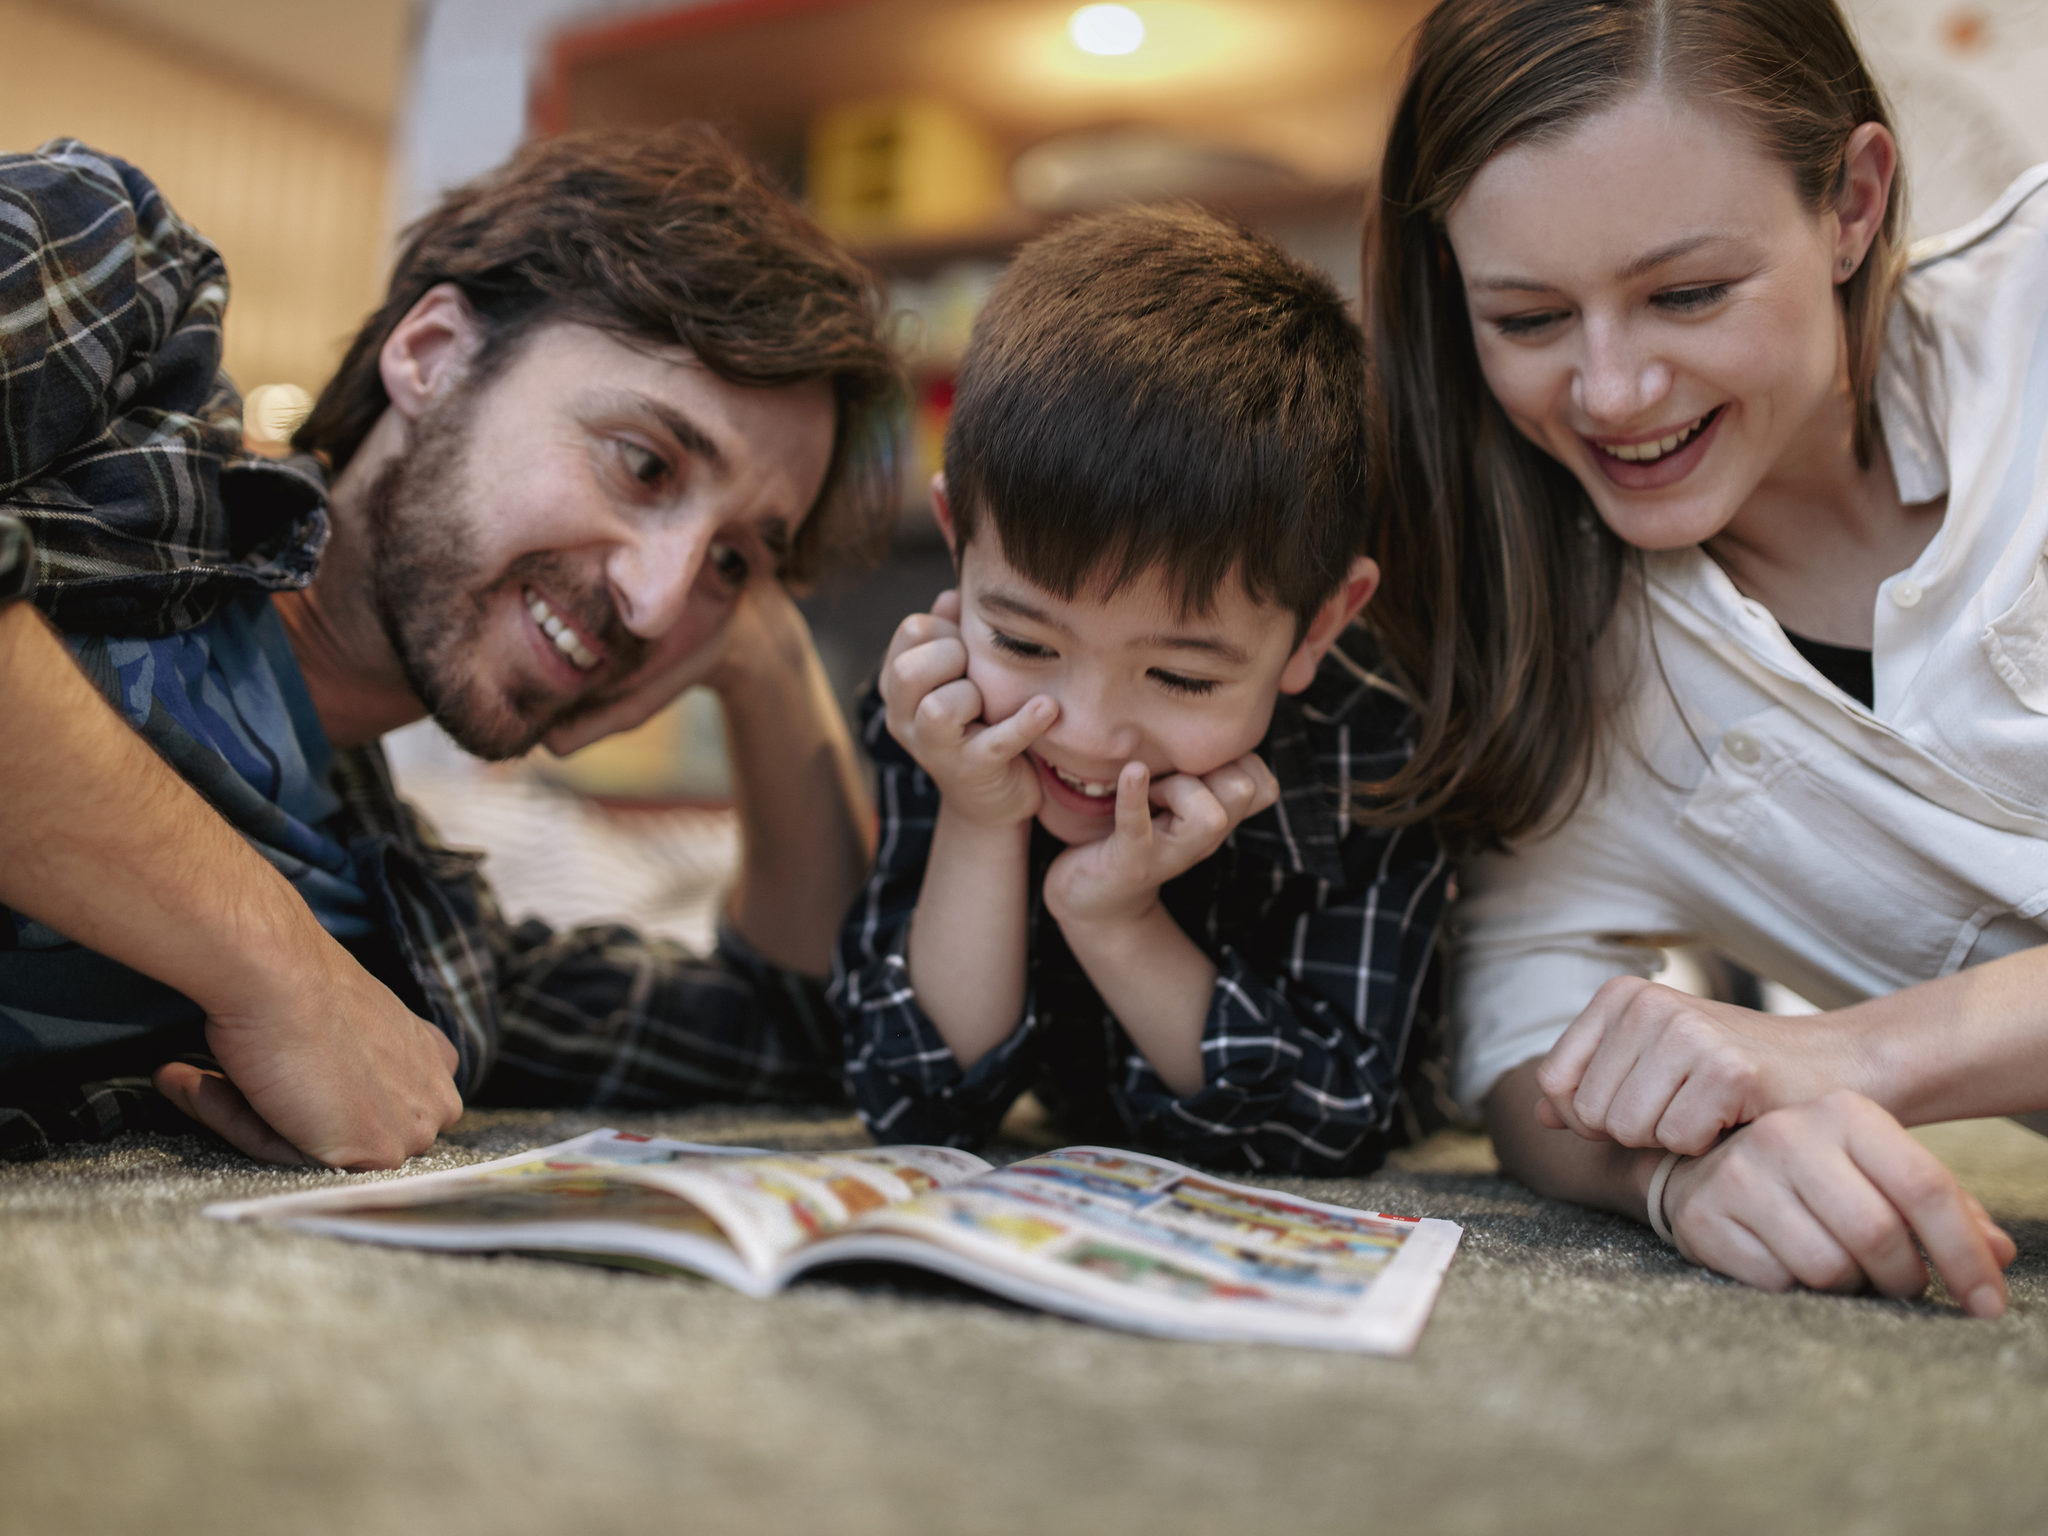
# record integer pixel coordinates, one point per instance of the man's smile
(567, 638)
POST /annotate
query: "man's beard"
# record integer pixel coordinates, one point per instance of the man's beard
(433, 599)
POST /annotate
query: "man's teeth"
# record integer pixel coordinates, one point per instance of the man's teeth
(1088, 787)
(581, 657)
(1643, 453)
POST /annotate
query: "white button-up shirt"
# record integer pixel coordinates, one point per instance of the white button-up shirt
(1846, 852)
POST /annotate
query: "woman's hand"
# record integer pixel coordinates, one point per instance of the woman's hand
(1649, 1066)
(1832, 1194)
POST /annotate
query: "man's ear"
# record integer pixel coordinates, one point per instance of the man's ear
(1360, 582)
(429, 349)
(942, 514)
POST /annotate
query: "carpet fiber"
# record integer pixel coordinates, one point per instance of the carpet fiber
(164, 1373)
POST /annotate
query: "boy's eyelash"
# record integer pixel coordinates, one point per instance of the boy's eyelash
(1173, 682)
(1016, 647)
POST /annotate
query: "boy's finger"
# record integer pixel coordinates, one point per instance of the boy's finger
(918, 629)
(1007, 738)
(1196, 813)
(947, 605)
(1268, 784)
(949, 709)
(1133, 806)
(915, 673)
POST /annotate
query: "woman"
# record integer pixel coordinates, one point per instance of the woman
(1718, 532)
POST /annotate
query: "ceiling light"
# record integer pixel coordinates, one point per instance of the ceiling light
(1107, 29)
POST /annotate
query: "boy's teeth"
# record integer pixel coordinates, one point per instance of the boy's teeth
(580, 655)
(1087, 787)
(1642, 453)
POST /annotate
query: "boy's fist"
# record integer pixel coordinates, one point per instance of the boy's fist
(1117, 878)
(935, 712)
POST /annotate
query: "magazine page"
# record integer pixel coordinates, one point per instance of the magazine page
(729, 1213)
(1137, 1242)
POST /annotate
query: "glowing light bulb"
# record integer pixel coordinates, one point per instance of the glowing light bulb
(1106, 29)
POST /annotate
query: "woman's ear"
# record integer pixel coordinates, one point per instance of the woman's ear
(1360, 582)
(429, 349)
(942, 514)
(1868, 166)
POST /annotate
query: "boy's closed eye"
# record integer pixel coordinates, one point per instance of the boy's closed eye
(1031, 650)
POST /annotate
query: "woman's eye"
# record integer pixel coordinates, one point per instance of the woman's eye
(1686, 300)
(1173, 682)
(643, 464)
(1029, 649)
(729, 564)
(1528, 325)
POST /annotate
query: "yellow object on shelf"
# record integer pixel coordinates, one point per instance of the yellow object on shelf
(907, 166)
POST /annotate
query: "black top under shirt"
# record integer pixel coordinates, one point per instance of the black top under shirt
(1843, 665)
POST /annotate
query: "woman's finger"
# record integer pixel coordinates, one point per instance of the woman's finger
(1926, 1194)
(1564, 1067)
(1656, 1081)
(1868, 1226)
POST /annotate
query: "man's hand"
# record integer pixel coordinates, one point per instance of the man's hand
(1832, 1194)
(1117, 878)
(323, 1064)
(935, 713)
(1648, 1066)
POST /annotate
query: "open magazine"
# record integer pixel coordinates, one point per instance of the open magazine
(1113, 1237)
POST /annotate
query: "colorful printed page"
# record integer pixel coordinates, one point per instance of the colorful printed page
(1137, 1242)
(731, 1213)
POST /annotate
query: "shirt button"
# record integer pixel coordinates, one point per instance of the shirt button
(1741, 746)
(1906, 593)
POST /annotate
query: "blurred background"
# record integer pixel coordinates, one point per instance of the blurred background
(930, 135)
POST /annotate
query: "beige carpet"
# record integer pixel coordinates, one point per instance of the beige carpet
(163, 1373)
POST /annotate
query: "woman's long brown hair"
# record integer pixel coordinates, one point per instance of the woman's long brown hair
(1499, 578)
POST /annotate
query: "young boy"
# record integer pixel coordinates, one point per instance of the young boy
(1118, 864)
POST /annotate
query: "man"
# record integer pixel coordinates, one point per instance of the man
(617, 392)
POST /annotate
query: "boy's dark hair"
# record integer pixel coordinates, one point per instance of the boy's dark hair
(1159, 387)
(660, 237)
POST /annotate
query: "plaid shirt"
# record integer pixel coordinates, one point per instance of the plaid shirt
(1321, 933)
(120, 447)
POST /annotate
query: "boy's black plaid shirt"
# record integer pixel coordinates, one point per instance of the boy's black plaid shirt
(1321, 933)
(120, 447)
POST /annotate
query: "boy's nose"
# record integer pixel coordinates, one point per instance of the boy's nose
(1091, 731)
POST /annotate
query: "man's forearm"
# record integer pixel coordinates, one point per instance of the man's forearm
(968, 937)
(102, 841)
(1158, 983)
(805, 824)
(1563, 1164)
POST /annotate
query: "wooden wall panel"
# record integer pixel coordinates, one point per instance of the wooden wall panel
(292, 191)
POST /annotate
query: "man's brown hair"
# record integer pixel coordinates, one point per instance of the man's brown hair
(663, 238)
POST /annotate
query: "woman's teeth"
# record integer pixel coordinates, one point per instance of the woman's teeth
(1088, 787)
(580, 655)
(1644, 453)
